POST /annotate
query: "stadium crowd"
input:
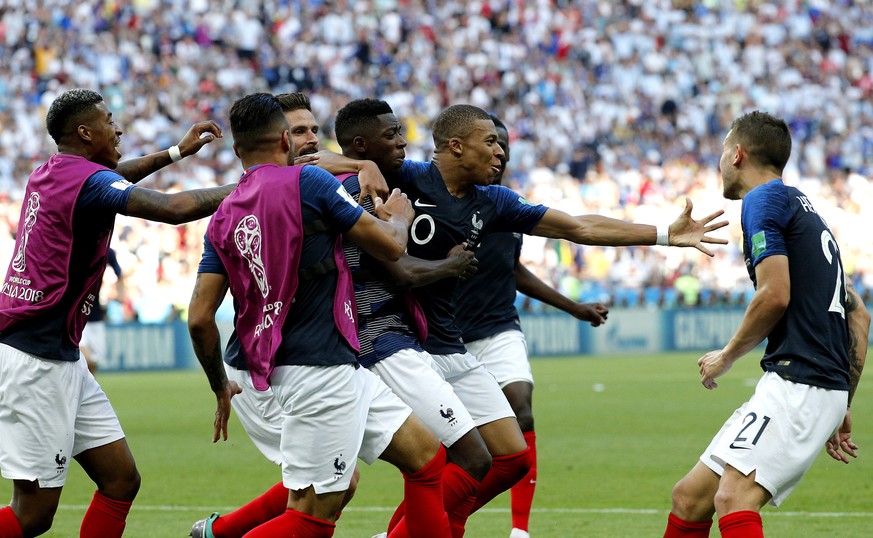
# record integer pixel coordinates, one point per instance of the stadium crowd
(616, 108)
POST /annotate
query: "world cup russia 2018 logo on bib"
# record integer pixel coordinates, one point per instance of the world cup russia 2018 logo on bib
(19, 264)
(247, 237)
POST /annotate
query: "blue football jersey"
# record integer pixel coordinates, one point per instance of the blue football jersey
(810, 343)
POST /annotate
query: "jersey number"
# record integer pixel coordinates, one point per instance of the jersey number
(836, 306)
(750, 419)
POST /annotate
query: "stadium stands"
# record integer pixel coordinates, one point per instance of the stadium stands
(615, 108)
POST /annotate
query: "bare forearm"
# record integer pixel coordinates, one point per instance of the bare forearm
(414, 272)
(176, 208)
(761, 316)
(207, 347)
(529, 284)
(135, 170)
(594, 230)
(859, 329)
(393, 242)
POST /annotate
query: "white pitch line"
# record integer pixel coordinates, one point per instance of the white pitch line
(632, 511)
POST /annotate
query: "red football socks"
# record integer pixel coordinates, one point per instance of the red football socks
(522, 493)
(293, 523)
(505, 472)
(743, 524)
(9, 525)
(458, 486)
(105, 517)
(272, 503)
(423, 499)
(679, 528)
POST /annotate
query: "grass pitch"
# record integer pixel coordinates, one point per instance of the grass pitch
(613, 436)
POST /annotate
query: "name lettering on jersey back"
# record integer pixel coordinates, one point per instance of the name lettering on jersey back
(806, 204)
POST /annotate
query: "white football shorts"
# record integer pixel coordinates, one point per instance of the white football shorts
(94, 338)
(778, 433)
(50, 411)
(332, 415)
(413, 376)
(259, 413)
(475, 386)
(504, 355)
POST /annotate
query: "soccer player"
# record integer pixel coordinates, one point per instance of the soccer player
(52, 410)
(488, 319)
(93, 342)
(258, 410)
(390, 326)
(455, 203)
(274, 243)
(816, 329)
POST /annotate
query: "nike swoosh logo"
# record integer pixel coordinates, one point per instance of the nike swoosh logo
(419, 203)
(739, 447)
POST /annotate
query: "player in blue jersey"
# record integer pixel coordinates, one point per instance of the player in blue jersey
(388, 328)
(258, 411)
(52, 410)
(491, 329)
(332, 410)
(816, 329)
(455, 203)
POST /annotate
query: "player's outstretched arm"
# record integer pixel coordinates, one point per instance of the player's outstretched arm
(209, 292)
(178, 207)
(606, 231)
(198, 135)
(411, 272)
(763, 313)
(529, 284)
(384, 238)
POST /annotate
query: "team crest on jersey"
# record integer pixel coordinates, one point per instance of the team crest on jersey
(759, 244)
(476, 223)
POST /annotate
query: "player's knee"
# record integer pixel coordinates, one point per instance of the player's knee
(525, 419)
(36, 522)
(123, 487)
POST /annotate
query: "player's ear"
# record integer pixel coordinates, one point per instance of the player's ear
(359, 144)
(739, 155)
(456, 146)
(84, 132)
(287, 143)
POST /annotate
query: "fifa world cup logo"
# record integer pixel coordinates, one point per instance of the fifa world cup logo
(19, 263)
(247, 238)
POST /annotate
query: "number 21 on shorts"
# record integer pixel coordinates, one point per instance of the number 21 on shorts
(751, 427)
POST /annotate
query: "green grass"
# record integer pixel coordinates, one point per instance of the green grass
(607, 459)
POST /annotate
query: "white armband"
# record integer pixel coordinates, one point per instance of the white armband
(175, 154)
(663, 235)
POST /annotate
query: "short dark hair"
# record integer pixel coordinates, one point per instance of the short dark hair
(294, 101)
(497, 123)
(254, 119)
(456, 121)
(766, 138)
(356, 116)
(70, 108)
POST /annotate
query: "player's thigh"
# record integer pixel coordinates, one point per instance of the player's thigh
(777, 434)
(324, 418)
(505, 356)
(475, 386)
(259, 413)
(413, 377)
(39, 400)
